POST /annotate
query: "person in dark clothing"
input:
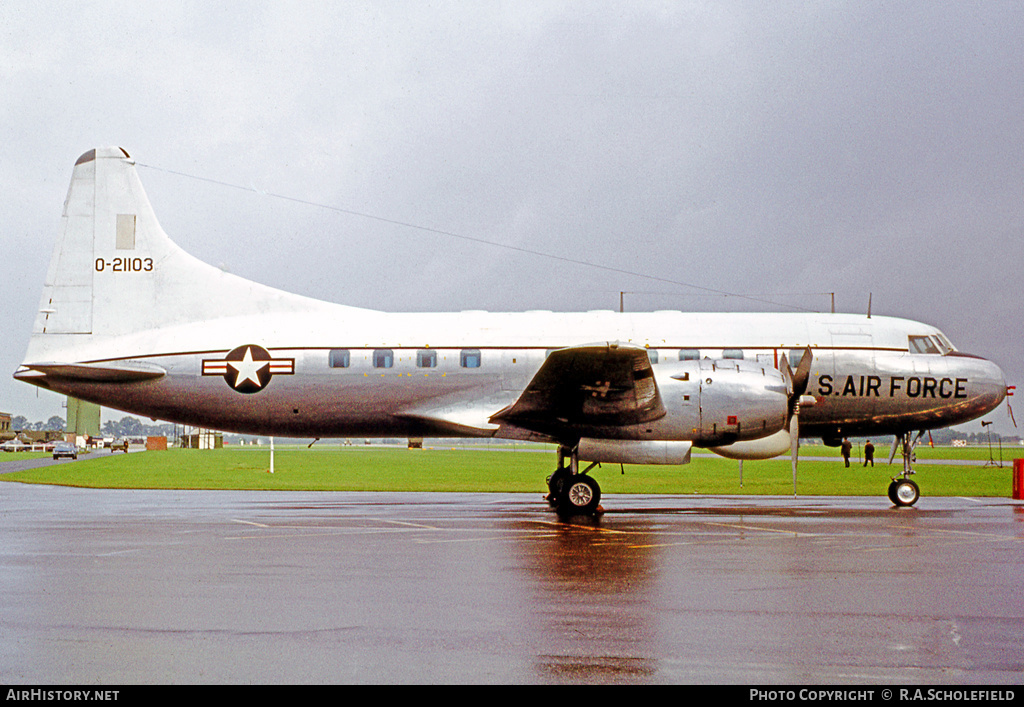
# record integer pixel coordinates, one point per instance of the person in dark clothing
(846, 449)
(869, 453)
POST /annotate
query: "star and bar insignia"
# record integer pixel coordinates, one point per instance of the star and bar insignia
(248, 369)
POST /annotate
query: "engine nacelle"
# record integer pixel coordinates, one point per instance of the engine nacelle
(617, 451)
(765, 448)
(722, 402)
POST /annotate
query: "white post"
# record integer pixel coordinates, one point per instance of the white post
(271, 455)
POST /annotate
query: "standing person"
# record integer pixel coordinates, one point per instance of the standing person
(869, 453)
(846, 448)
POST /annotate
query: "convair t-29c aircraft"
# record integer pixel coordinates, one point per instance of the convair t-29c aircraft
(130, 321)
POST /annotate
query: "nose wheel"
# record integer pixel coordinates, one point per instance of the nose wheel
(903, 492)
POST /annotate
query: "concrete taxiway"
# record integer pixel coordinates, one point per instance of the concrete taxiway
(122, 587)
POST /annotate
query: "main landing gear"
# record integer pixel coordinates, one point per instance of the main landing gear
(570, 491)
(902, 491)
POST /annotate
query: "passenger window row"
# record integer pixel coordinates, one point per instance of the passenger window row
(472, 358)
(385, 358)
(694, 354)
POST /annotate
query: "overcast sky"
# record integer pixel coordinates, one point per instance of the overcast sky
(779, 150)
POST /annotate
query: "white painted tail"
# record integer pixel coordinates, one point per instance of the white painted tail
(115, 272)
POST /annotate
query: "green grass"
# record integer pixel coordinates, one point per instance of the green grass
(481, 470)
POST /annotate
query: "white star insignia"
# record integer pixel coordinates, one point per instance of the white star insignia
(248, 369)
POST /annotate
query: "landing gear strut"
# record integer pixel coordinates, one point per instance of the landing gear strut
(571, 491)
(902, 491)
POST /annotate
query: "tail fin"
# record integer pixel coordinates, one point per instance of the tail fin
(114, 271)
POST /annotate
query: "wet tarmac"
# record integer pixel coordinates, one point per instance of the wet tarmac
(127, 587)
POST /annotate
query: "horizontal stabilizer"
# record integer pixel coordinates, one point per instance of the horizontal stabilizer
(97, 372)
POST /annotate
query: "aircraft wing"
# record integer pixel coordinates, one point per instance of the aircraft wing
(594, 385)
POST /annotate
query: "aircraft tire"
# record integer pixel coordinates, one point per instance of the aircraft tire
(904, 493)
(892, 493)
(581, 495)
(555, 483)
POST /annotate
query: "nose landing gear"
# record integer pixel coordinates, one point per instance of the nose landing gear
(902, 491)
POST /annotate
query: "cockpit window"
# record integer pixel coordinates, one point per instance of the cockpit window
(944, 344)
(923, 345)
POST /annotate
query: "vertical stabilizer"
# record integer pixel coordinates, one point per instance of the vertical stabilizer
(115, 272)
(66, 304)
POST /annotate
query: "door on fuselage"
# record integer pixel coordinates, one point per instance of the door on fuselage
(856, 387)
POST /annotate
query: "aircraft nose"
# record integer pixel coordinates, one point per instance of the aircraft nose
(986, 384)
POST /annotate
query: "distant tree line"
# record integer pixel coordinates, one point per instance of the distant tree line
(20, 423)
(127, 426)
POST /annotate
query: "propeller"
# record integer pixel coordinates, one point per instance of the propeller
(796, 386)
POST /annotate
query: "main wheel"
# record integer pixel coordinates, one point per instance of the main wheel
(904, 492)
(580, 495)
(555, 483)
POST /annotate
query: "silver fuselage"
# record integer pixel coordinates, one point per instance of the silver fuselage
(864, 379)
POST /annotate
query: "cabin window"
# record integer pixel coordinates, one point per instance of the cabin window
(653, 355)
(469, 358)
(689, 354)
(339, 358)
(794, 356)
(383, 358)
(426, 359)
(736, 354)
(922, 345)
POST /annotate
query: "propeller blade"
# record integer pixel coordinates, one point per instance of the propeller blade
(796, 384)
(803, 373)
(794, 442)
(787, 376)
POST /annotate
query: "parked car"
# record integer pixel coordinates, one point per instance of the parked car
(65, 449)
(13, 445)
(119, 444)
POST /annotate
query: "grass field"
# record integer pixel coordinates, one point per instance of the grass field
(376, 468)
